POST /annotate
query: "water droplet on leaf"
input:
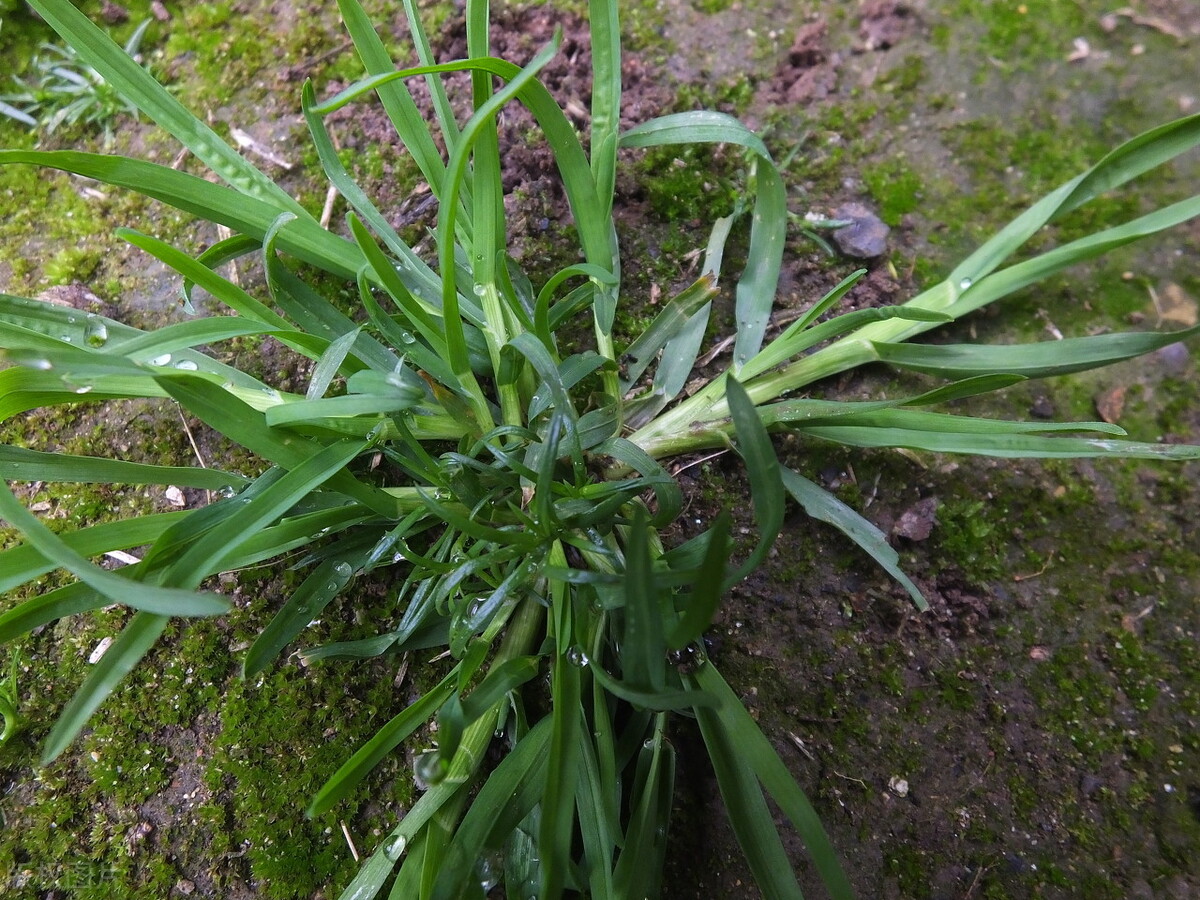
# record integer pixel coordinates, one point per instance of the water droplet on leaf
(576, 657)
(428, 769)
(95, 332)
(395, 848)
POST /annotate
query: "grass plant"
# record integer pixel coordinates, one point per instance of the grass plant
(63, 89)
(511, 489)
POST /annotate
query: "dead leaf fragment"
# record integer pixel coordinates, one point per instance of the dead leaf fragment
(1039, 654)
(1175, 306)
(1110, 404)
(1082, 50)
(100, 649)
(1108, 22)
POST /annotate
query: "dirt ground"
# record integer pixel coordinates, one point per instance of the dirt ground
(1035, 734)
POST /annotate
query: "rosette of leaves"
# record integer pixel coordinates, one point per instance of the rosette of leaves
(514, 491)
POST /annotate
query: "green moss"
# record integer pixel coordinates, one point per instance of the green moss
(686, 184)
(895, 188)
(974, 536)
(909, 865)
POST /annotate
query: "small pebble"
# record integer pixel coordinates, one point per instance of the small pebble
(866, 235)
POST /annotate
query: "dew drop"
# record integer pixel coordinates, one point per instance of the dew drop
(95, 332)
(407, 338)
(186, 365)
(84, 389)
(342, 570)
(398, 557)
(227, 492)
(66, 338)
(428, 769)
(489, 870)
(42, 364)
(479, 290)
(576, 657)
(163, 360)
(964, 284)
(395, 848)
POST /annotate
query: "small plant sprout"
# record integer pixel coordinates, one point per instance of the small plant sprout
(62, 89)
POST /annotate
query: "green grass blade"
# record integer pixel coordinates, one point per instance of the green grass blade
(1039, 360)
(666, 325)
(744, 758)
(330, 364)
(768, 224)
(1133, 158)
(373, 752)
(373, 406)
(822, 505)
(35, 465)
(305, 604)
(209, 553)
(605, 28)
(397, 101)
(658, 700)
(984, 438)
(644, 648)
(666, 490)
(562, 777)
(24, 563)
(123, 654)
(431, 326)
(441, 102)
(160, 600)
(246, 426)
(506, 798)
(248, 215)
(793, 343)
(598, 828)
(706, 591)
(56, 604)
(762, 466)
(415, 268)
(639, 868)
(226, 291)
(748, 812)
(136, 85)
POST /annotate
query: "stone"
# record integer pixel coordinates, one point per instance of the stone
(866, 235)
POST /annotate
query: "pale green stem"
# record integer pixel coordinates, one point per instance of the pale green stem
(699, 423)
(520, 637)
(497, 335)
